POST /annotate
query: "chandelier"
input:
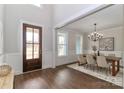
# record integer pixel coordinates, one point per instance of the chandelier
(95, 36)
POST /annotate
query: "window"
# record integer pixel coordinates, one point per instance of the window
(79, 44)
(62, 43)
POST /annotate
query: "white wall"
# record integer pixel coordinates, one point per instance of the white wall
(64, 12)
(1, 32)
(71, 47)
(14, 15)
(116, 32)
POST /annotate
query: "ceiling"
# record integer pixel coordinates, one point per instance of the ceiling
(106, 18)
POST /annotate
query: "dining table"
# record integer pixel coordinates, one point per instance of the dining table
(114, 61)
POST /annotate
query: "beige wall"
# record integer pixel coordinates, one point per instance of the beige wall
(15, 14)
(63, 12)
(117, 33)
(1, 32)
(71, 55)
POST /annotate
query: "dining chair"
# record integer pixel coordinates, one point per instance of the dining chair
(102, 63)
(112, 55)
(91, 61)
(81, 60)
(102, 54)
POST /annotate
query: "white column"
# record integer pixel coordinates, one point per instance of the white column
(1, 33)
(54, 49)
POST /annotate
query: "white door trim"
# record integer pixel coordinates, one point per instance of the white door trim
(20, 37)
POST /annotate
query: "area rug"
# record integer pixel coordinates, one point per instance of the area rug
(117, 80)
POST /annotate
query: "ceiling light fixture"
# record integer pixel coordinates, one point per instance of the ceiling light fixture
(95, 36)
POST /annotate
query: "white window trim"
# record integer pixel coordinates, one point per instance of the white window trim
(66, 33)
(78, 35)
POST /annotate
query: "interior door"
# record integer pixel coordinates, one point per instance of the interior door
(32, 45)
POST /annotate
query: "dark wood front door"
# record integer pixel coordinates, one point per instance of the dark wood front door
(32, 45)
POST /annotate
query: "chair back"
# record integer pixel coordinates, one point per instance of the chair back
(82, 59)
(101, 61)
(112, 55)
(102, 54)
(90, 59)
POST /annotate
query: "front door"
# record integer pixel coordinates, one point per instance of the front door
(32, 45)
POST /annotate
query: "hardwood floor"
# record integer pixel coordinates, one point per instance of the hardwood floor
(61, 77)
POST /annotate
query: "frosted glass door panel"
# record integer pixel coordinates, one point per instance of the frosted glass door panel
(29, 35)
(36, 35)
(29, 51)
(36, 51)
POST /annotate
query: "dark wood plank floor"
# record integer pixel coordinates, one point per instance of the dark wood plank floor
(61, 77)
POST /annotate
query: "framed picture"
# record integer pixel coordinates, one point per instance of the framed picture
(106, 44)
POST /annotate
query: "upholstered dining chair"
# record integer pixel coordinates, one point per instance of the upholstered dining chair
(102, 63)
(91, 61)
(81, 60)
(112, 55)
(102, 54)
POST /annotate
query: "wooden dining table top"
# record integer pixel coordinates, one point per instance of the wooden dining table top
(112, 58)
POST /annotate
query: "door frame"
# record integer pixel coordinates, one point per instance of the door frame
(20, 38)
(24, 45)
